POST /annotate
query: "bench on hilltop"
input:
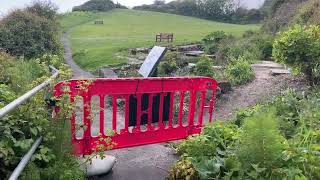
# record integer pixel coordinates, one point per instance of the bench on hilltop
(164, 36)
(98, 22)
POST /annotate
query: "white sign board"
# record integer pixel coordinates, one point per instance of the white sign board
(152, 61)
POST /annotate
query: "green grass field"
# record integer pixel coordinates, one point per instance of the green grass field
(98, 45)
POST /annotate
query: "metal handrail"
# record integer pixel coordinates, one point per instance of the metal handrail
(14, 104)
(24, 161)
(17, 102)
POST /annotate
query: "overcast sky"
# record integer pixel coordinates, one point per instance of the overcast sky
(66, 5)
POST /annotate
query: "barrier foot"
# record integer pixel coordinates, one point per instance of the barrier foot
(99, 166)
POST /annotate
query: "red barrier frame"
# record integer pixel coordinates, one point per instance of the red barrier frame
(123, 88)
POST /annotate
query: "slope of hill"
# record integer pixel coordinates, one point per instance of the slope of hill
(97, 45)
(289, 12)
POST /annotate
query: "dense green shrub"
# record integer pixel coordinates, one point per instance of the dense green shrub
(6, 61)
(264, 43)
(24, 72)
(309, 111)
(183, 169)
(304, 139)
(239, 71)
(255, 146)
(29, 121)
(287, 109)
(167, 67)
(204, 68)
(25, 33)
(242, 114)
(214, 37)
(299, 48)
(253, 46)
(206, 151)
(261, 143)
(63, 164)
(212, 41)
(169, 64)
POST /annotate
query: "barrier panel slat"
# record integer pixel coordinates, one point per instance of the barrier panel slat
(101, 113)
(181, 105)
(138, 128)
(171, 110)
(202, 99)
(114, 113)
(160, 123)
(150, 128)
(211, 106)
(192, 101)
(146, 110)
(126, 120)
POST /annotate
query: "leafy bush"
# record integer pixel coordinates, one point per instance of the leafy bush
(212, 41)
(242, 114)
(299, 47)
(206, 151)
(214, 37)
(23, 125)
(239, 71)
(253, 46)
(302, 155)
(287, 109)
(24, 72)
(63, 165)
(264, 43)
(167, 67)
(258, 149)
(25, 33)
(169, 64)
(204, 68)
(183, 169)
(261, 143)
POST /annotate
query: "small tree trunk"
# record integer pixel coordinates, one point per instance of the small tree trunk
(309, 74)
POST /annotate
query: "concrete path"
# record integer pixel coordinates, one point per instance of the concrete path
(150, 162)
(77, 71)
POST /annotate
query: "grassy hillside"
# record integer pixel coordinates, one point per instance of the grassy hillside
(97, 45)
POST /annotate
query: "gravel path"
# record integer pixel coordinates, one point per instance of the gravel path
(262, 89)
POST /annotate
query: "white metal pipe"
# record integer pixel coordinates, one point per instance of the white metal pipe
(17, 102)
(24, 161)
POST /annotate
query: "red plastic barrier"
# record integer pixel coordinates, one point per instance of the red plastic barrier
(183, 103)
